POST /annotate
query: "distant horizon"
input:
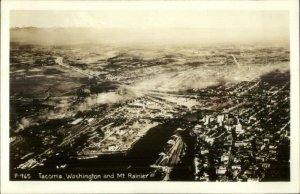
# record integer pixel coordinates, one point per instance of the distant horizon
(143, 37)
(150, 27)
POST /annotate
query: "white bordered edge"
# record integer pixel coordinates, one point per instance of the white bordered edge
(150, 187)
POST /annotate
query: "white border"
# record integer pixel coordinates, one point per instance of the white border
(150, 187)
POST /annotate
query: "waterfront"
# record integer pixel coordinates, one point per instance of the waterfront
(163, 117)
(138, 159)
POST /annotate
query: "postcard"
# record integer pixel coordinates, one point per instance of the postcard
(149, 96)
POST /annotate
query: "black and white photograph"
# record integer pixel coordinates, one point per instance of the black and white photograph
(150, 95)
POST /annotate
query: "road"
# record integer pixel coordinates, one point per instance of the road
(59, 61)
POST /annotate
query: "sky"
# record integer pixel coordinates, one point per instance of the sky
(151, 19)
(172, 25)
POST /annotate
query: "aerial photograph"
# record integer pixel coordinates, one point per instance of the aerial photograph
(174, 95)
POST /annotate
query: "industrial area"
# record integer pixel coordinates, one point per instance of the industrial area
(216, 114)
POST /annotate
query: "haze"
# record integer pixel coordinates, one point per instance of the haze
(150, 27)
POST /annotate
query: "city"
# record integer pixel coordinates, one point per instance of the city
(197, 114)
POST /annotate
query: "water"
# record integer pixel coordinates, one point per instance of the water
(138, 160)
(143, 154)
(185, 170)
